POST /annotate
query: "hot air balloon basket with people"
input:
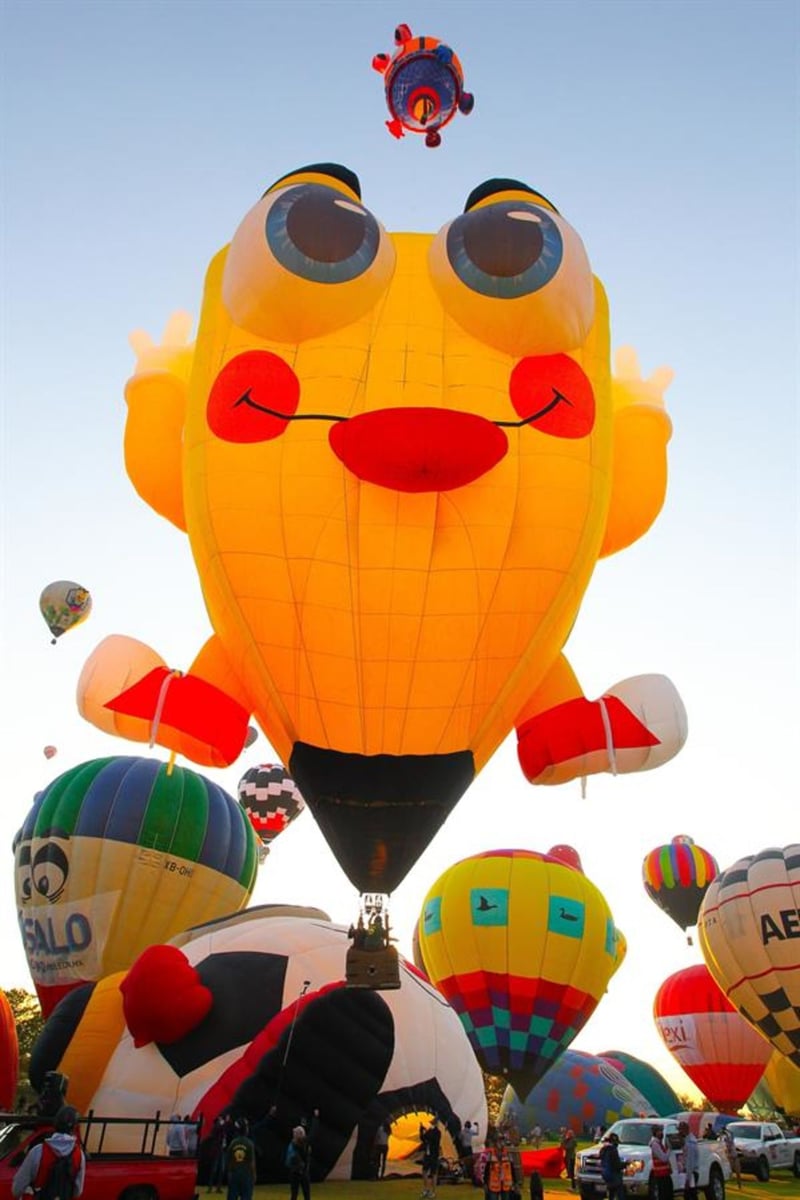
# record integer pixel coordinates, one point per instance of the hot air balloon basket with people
(372, 961)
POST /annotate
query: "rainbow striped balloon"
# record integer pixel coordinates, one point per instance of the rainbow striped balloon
(677, 876)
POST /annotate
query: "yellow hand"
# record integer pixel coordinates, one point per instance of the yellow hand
(173, 353)
(630, 387)
(156, 396)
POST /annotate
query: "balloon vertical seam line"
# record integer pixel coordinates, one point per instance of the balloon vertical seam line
(476, 733)
(301, 655)
(610, 749)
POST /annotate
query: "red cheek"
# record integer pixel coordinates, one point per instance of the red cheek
(253, 397)
(554, 393)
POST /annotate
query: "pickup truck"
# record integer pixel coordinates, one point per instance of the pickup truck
(763, 1146)
(634, 1150)
(143, 1175)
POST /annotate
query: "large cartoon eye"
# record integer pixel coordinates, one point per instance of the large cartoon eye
(506, 250)
(305, 260)
(515, 275)
(50, 869)
(318, 234)
(23, 870)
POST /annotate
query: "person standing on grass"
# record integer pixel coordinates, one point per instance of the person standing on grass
(241, 1163)
(499, 1179)
(298, 1162)
(431, 1149)
(662, 1167)
(568, 1147)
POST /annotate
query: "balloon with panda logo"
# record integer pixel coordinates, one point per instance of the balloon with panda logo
(523, 946)
(118, 853)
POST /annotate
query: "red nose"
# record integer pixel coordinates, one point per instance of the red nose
(418, 449)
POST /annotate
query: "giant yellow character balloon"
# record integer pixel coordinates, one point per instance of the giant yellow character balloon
(398, 458)
(523, 947)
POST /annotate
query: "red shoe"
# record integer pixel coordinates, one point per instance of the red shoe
(636, 725)
(190, 706)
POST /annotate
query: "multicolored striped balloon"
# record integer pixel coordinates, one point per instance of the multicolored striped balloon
(676, 876)
(523, 947)
(117, 854)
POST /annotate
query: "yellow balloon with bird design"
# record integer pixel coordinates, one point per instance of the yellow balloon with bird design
(523, 946)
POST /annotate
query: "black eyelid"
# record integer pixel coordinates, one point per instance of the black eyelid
(332, 170)
(492, 187)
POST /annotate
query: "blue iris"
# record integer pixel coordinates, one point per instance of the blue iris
(321, 235)
(505, 250)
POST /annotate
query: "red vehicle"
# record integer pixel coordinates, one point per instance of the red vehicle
(143, 1174)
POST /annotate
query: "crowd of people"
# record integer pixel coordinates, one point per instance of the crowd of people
(230, 1154)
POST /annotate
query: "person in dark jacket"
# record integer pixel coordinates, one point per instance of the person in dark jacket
(611, 1167)
(298, 1164)
(241, 1163)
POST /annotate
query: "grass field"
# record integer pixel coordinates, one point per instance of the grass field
(782, 1186)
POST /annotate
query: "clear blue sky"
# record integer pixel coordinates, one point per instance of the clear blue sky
(136, 135)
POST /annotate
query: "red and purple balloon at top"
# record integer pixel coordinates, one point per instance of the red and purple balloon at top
(424, 86)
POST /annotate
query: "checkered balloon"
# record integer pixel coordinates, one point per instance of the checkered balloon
(271, 799)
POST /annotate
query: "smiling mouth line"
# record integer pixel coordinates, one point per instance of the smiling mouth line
(247, 399)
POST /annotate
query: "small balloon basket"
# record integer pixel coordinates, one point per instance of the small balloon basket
(372, 961)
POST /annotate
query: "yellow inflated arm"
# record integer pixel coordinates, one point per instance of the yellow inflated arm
(642, 429)
(156, 395)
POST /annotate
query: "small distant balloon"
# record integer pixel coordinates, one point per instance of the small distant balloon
(424, 85)
(252, 736)
(271, 799)
(64, 604)
(50, 751)
(567, 855)
(677, 876)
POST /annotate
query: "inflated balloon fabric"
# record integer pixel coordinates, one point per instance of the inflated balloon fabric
(646, 1079)
(9, 1055)
(280, 1024)
(677, 876)
(720, 1052)
(117, 854)
(398, 458)
(523, 947)
(749, 927)
(579, 1089)
(63, 605)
